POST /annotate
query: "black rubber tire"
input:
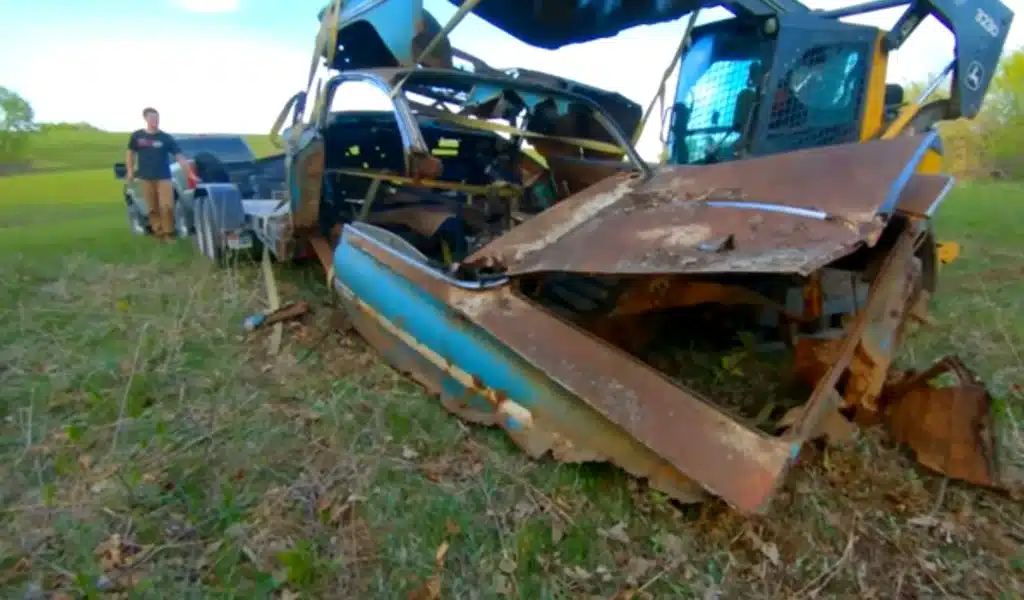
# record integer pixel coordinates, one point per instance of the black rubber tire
(182, 226)
(214, 248)
(199, 215)
(136, 222)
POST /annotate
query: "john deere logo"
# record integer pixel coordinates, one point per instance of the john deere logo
(974, 76)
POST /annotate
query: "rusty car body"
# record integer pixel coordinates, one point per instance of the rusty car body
(541, 323)
(557, 293)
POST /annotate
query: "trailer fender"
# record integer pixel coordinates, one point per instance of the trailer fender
(225, 201)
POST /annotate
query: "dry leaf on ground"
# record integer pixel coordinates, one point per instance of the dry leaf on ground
(637, 567)
(557, 532)
(442, 550)
(617, 532)
(507, 565)
(430, 590)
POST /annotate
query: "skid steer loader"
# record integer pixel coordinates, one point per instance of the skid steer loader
(796, 215)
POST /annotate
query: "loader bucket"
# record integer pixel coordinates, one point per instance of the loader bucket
(795, 240)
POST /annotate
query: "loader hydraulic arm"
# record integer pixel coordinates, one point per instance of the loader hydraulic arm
(979, 27)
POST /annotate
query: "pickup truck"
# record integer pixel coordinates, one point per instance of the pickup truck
(216, 158)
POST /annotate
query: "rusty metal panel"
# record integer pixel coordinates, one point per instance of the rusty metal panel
(889, 285)
(596, 397)
(736, 463)
(786, 213)
(950, 429)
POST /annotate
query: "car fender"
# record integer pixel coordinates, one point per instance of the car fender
(226, 201)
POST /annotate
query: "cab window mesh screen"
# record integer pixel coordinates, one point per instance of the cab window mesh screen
(716, 110)
(818, 100)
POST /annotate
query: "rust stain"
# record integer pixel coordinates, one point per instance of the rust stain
(620, 409)
(679, 235)
(736, 463)
(644, 295)
(821, 401)
(568, 440)
(598, 200)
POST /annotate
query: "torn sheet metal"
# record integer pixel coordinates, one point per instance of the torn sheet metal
(494, 356)
(793, 213)
(950, 429)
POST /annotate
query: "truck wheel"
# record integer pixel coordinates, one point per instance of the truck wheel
(219, 215)
(211, 239)
(198, 212)
(136, 220)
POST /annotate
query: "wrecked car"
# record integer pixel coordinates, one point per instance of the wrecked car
(541, 320)
(500, 241)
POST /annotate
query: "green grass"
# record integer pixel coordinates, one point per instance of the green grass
(67, 148)
(147, 444)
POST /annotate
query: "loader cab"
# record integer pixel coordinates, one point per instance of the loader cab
(757, 86)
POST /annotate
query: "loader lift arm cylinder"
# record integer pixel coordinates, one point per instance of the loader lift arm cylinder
(979, 28)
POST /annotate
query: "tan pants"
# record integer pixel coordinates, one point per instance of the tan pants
(159, 197)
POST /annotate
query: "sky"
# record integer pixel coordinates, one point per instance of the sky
(230, 65)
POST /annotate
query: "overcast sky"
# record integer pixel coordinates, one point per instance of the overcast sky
(229, 65)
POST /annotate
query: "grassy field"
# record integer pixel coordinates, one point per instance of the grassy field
(147, 445)
(67, 148)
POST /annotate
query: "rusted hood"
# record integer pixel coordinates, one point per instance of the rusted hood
(787, 213)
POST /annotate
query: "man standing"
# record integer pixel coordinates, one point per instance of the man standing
(154, 148)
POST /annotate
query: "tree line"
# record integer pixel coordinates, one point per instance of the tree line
(17, 122)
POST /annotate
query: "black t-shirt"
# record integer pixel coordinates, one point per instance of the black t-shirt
(154, 151)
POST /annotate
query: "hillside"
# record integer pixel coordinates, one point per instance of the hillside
(74, 148)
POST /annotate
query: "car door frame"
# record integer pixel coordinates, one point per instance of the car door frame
(310, 139)
(412, 138)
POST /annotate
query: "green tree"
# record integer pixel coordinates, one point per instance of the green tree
(989, 143)
(1005, 111)
(16, 123)
(965, 149)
